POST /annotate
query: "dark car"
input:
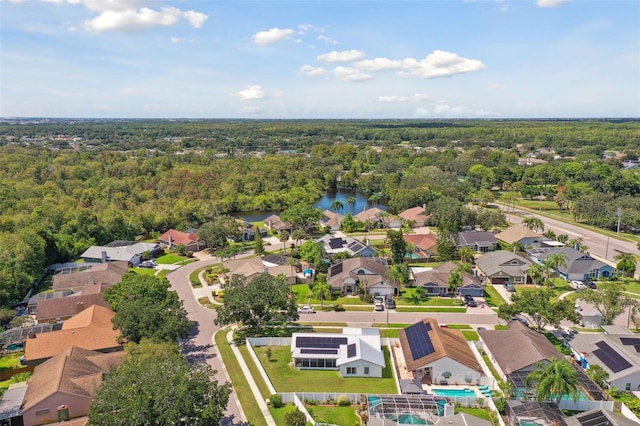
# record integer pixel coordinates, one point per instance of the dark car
(509, 286)
(470, 301)
(391, 304)
(591, 284)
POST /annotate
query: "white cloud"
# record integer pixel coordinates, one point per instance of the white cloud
(327, 39)
(117, 17)
(351, 75)
(180, 40)
(378, 64)
(311, 71)
(344, 56)
(440, 64)
(550, 3)
(196, 19)
(396, 98)
(273, 35)
(251, 93)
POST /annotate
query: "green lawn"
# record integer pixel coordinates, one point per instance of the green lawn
(386, 332)
(478, 412)
(430, 309)
(7, 362)
(408, 293)
(490, 365)
(331, 414)
(163, 273)
(391, 325)
(459, 326)
(240, 384)
(170, 258)
(279, 413)
(285, 378)
(143, 271)
(492, 297)
(255, 373)
(470, 335)
(560, 287)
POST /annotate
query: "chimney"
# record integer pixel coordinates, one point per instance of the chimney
(170, 241)
(105, 258)
(31, 335)
(79, 307)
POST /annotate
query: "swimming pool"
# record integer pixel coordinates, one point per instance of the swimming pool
(455, 392)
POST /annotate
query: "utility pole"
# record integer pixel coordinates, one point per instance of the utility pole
(606, 252)
(619, 212)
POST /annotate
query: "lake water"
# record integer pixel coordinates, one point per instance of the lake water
(331, 195)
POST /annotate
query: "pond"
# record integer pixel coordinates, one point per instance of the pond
(341, 194)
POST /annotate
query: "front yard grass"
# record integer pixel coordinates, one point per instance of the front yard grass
(492, 297)
(170, 258)
(143, 271)
(482, 413)
(430, 309)
(470, 335)
(285, 378)
(240, 384)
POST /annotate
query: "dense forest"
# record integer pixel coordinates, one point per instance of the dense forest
(66, 185)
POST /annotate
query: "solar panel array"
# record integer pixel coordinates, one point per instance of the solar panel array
(355, 246)
(419, 340)
(594, 419)
(336, 243)
(351, 350)
(319, 351)
(336, 269)
(631, 341)
(317, 342)
(613, 360)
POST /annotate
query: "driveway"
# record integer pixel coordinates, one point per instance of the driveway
(199, 346)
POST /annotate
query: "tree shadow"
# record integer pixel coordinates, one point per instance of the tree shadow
(231, 421)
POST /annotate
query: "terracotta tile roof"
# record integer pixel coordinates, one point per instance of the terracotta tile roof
(415, 213)
(90, 329)
(446, 343)
(66, 307)
(518, 347)
(426, 242)
(178, 237)
(109, 272)
(75, 370)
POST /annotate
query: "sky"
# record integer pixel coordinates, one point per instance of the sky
(330, 59)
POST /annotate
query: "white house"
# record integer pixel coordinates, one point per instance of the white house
(356, 352)
(439, 355)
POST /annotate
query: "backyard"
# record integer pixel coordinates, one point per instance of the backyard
(285, 378)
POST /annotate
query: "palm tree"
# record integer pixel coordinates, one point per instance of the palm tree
(466, 254)
(283, 236)
(321, 291)
(626, 263)
(533, 223)
(292, 261)
(536, 272)
(554, 380)
(553, 261)
(351, 201)
(455, 281)
(400, 274)
(337, 206)
(550, 234)
(297, 235)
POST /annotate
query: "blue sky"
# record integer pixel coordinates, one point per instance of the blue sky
(319, 59)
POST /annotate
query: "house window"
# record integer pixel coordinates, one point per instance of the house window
(366, 371)
(42, 412)
(446, 374)
(627, 387)
(351, 370)
(360, 272)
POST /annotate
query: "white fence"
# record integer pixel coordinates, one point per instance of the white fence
(628, 413)
(579, 405)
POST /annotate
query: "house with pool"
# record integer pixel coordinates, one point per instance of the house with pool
(439, 356)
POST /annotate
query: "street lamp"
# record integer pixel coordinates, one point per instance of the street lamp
(619, 213)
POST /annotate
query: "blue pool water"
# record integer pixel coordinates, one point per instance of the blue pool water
(454, 392)
(411, 419)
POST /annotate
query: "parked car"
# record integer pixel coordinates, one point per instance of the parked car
(509, 286)
(391, 304)
(306, 309)
(521, 319)
(591, 285)
(148, 264)
(470, 301)
(378, 306)
(578, 285)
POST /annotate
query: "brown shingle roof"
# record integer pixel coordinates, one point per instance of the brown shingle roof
(446, 342)
(515, 233)
(372, 214)
(90, 329)
(109, 272)
(518, 347)
(379, 272)
(415, 213)
(65, 307)
(75, 370)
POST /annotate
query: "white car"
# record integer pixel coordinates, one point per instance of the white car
(578, 285)
(378, 306)
(306, 309)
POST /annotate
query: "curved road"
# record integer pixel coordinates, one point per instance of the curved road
(199, 346)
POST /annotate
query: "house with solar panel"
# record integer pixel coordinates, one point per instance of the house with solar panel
(617, 351)
(333, 245)
(439, 355)
(371, 274)
(356, 352)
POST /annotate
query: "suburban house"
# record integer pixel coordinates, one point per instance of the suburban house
(274, 223)
(580, 266)
(356, 352)
(65, 386)
(90, 329)
(599, 416)
(515, 351)
(173, 238)
(331, 220)
(517, 234)
(478, 241)
(372, 215)
(425, 245)
(436, 281)
(132, 254)
(618, 354)
(499, 266)
(371, 273)
(589, 316)
(61, 309)
(416, 216)
(254, 266)
(247, 231)
(101, 273)
(439, 355)
(333, 245)
(37, 298)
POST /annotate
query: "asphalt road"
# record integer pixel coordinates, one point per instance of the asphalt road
(199, 347)
(599, 245)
